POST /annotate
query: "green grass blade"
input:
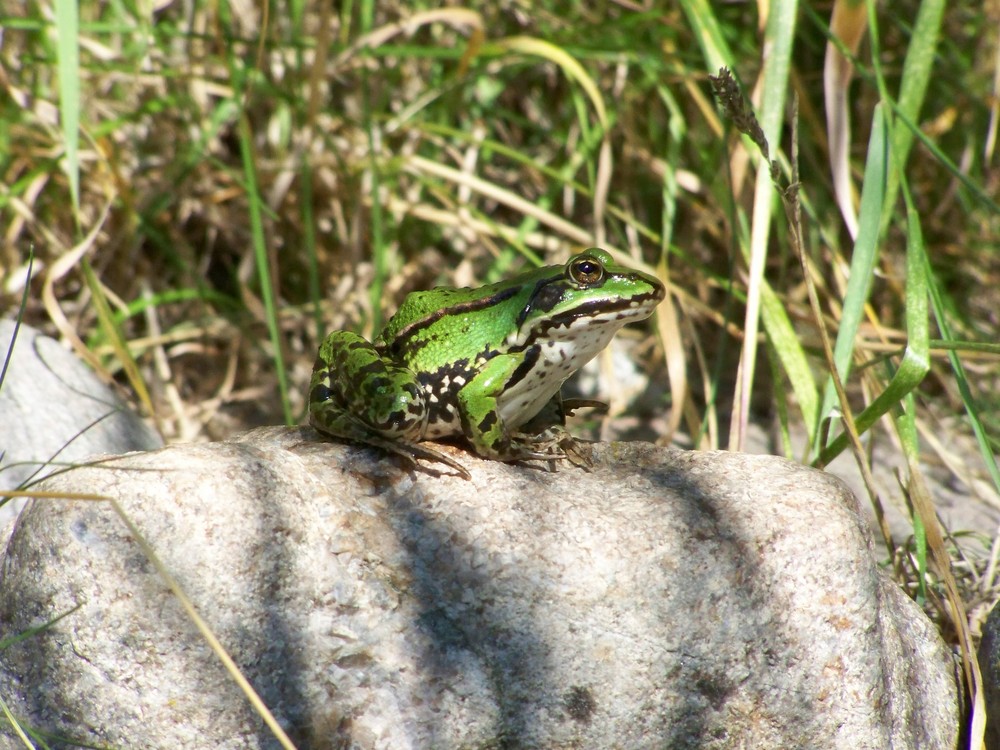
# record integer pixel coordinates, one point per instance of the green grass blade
(863, 258)
(916, 357)
(67, 29)
(714, 47)
(15, 724)
(31, 632)
(939, 306)
(918, 338)
(955, 170)
(913, 89)
(255, 207)
(782, 336)
(779, 38)
(906, 425)
(116, 338)
(7, 643)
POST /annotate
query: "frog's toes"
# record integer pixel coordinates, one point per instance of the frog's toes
(412, 451)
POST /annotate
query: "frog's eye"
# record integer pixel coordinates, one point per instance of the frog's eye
(586, 270)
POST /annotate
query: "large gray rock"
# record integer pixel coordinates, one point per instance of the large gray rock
(55, 411)
(664, 600)
(989, 664)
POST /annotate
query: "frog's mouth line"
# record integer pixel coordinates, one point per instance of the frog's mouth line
(595, 314)
(637, 307)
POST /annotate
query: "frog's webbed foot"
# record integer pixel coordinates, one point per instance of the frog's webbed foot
(412, 451)
(552, 444)
(404, 448)
(545, 438)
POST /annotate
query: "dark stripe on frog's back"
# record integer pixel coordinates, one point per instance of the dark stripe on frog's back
(403, 340)
(531, 352)
(409, 340)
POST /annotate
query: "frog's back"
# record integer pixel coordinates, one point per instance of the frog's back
(447, 324)
(419, 306)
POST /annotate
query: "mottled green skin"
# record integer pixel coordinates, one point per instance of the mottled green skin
(483, 363)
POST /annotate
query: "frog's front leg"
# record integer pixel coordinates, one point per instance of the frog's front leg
(547, 429)
(482, 424)
(357, 394)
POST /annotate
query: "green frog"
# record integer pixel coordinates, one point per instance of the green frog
(485, 363)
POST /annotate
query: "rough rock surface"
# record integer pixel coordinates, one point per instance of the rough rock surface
(53, 411)
(989, 663)
(666, 599)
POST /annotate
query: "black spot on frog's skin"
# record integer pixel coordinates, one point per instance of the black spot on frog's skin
(548, 296)
(319, 394)
(531, 354)
(580, 704)
(488, 421)
(375, 366)
(379, 383)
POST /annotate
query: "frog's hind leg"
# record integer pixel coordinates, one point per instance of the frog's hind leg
(412, 451)
(356, 394)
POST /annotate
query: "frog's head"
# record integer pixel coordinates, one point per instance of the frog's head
(592, 295)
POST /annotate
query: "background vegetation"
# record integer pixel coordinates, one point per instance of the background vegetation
(209, 188)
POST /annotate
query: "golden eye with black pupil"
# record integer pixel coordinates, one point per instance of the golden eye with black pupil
(586, 271)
